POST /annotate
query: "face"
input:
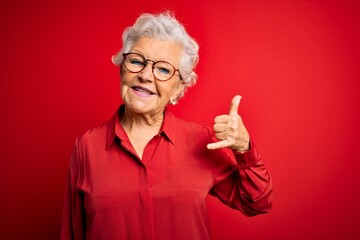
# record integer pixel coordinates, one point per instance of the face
(141, 92)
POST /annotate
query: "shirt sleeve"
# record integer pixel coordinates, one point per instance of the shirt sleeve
(246, 185)
(73, 221)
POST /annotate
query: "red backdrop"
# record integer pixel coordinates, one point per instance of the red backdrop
(296, 64)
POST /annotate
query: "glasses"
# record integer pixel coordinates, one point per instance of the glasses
(162, 70)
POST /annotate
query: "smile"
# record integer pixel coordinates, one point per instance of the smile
(142, 91)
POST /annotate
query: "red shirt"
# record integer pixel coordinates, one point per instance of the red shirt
(112, 194)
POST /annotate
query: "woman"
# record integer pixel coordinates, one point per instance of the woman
(145, 173)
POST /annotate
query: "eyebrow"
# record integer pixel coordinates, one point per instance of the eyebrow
(156, 60)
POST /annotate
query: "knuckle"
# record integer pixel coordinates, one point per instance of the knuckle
(233, 128)
(233, 117)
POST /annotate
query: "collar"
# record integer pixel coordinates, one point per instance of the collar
(115, 129)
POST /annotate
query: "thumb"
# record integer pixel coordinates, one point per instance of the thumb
(235, 102)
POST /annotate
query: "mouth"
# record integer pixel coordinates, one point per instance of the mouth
(142, 91)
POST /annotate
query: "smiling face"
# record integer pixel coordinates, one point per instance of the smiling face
(141, 92)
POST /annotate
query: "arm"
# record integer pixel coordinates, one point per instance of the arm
(249, 187)
(73, 221)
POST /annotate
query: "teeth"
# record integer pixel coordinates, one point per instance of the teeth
(142, 90)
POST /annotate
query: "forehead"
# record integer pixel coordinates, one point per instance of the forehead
(157, 50)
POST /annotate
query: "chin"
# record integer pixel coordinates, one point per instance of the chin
(139, 107)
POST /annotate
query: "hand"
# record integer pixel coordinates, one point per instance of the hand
(230, 130)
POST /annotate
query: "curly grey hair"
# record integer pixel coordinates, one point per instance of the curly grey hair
(163, 26)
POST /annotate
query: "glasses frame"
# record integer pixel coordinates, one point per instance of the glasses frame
(152, 67)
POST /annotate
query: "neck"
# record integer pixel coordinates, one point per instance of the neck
(131, 120)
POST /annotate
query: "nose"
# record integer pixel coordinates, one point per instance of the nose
(147, 73)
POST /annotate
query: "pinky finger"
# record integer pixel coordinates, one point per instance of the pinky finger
(222, 144)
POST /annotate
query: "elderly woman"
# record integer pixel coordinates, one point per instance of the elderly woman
(145, 174)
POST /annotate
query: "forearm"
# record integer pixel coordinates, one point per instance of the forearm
(249, 188)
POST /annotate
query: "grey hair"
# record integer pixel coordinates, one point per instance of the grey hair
(163, 26)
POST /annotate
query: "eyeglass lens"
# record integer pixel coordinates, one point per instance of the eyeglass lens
(162, 70)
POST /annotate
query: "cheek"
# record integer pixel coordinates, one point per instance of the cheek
(166, 88)
(125, 79)
(123, 86)
(165, 92)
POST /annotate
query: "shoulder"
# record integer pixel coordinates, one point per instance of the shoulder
(191, 130)
(94, 136)
(188, 125)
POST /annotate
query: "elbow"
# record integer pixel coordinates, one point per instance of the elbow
(261, 206)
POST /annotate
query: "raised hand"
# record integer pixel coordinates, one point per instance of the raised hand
(230, 130)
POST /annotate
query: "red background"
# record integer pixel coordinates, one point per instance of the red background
(296, 64)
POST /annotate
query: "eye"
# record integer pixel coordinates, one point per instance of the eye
(164, 68)
(137, 61)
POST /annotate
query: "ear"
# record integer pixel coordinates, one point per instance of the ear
(179, 88)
